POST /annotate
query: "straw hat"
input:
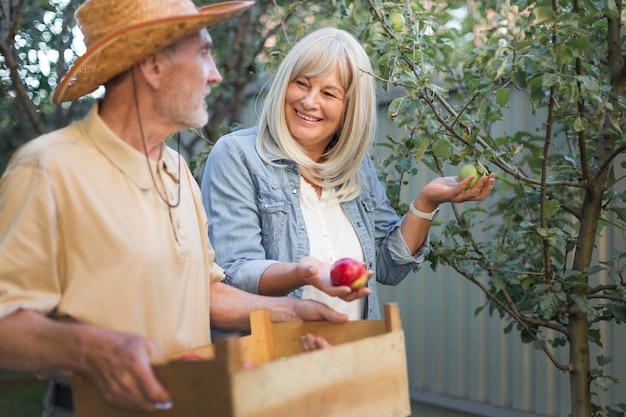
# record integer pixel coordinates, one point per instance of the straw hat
(120, 33)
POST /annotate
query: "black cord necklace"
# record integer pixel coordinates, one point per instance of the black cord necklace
(145, 150)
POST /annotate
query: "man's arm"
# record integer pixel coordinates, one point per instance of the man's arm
(231, 307)
(119, 363)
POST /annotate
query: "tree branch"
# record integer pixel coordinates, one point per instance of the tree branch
(20, 90)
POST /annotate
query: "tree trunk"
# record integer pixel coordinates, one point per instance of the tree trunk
(579, 358)
(580, 375)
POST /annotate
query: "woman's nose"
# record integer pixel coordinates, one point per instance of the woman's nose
(310, 99)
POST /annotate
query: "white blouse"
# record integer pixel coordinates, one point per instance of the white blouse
(331, 237)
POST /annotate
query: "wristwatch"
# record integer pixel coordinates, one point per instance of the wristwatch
(426, 216)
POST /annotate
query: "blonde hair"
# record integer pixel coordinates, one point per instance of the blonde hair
(318, 54)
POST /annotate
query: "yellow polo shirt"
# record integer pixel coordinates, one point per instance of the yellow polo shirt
(84, 234)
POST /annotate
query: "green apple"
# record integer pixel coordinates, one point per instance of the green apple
(397, 21)
(470, 170)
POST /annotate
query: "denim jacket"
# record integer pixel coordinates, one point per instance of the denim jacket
(255, 218)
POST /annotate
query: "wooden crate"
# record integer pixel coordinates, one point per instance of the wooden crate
(363, 374)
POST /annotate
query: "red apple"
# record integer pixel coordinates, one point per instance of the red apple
(190, 357)
(350, 272)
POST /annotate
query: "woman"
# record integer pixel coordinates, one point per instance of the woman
(289, 197)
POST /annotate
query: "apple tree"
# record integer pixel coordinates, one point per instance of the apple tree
(456, 65)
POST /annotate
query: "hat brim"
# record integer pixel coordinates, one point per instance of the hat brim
(121, 49)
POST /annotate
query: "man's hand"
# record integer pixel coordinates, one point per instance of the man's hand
(310, 310)
(118, 363)
(231, 307)
(120, 366)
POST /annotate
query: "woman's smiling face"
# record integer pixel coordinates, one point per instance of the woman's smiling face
(314, 109)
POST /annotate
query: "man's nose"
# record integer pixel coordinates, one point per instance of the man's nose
(214, 75)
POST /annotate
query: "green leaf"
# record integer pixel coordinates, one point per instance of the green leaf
(614, 413)
(552, 208)
(519, 79)
(618, 311)
(545, 15)
(498, 282)
(611, 11)
(397, 106)
(543, 232)
(548, 80)
(559, 342)
(481, 169)
(421, 149)
(580, 124)
(605, 382)
(603, 360)
(594, 336)
(502, 97)
(526, 284)
(583, 303)
(442, 149)
(549, 303)
(620, 211)
(541, 288)
(579, 43)
(526, 336)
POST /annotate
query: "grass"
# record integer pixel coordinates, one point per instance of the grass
(21, 394)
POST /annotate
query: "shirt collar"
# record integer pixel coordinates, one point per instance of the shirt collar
(126, 158)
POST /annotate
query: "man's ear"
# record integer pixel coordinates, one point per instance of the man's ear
(152, 68)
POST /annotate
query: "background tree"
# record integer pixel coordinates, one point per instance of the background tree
(456, 65)
(32, 34)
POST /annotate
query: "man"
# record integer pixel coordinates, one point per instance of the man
(105, 263)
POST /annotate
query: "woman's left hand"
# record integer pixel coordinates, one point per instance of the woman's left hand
(316, 273)
(449, 189)
(310, 342)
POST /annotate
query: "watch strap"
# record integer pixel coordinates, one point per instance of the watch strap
(422, 215)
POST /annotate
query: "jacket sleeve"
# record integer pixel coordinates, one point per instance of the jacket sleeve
(393, 257)
(229, 197)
